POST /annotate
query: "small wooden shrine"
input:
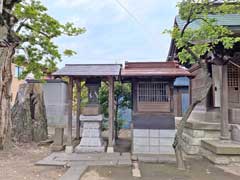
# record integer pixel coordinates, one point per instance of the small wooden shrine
(92, 75)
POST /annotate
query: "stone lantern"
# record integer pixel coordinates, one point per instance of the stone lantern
(92, 119)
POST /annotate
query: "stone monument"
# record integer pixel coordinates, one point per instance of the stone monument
(92, 119)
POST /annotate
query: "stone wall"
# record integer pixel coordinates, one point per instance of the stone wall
(153, 141)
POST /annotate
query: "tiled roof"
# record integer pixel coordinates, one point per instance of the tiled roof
(89, 70)
(230, 20)
(164, 69)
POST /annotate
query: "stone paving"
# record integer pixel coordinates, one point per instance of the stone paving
(78, 163)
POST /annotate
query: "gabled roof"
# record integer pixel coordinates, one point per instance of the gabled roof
(232, 21)
(159, 69)
(89, 70)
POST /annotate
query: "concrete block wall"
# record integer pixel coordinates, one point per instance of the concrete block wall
(153, 141)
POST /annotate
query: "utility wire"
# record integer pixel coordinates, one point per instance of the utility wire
(147, 32)
(129, 13)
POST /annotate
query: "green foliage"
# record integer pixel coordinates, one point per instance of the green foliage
(122, 96)
(37, 31)
(194, 42)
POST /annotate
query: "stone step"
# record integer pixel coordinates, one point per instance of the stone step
(220, 159)
(200, 125)
(209, 116)
(151, 158)
(222, 147)
(235, 132)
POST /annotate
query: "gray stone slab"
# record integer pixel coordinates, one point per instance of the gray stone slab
(74, 173)
(51, 163)
(141, 133)
(92, 125)
(140, 149)
(102, 163)
(154, 141)
(222, 147)
(154, 149)
(58, 136)
(91, 118)
(141, 141)
(156, 158)
(167, 133)
(91, 156)
(166, 150)
(91, 132)
(83, 149)
(123, 162)
(166, 141)
(154, 133)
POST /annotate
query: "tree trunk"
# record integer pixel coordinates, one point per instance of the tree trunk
(6, 54)
(178, 141)
(29, 114)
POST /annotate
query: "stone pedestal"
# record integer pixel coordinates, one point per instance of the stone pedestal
(91, 136)
(58, 140)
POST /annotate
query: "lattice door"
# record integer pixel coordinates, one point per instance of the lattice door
(233, 84)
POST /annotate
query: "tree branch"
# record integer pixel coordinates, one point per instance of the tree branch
(31, 28)
(20, 26)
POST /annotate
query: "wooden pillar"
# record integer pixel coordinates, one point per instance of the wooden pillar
(78, 123)
(111, 113)
(190, 91)
(69, 124)
(171, 88)
(134, 95)
(225, 134)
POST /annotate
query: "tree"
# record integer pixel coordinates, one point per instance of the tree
(26, 37)
(122, 97)
(207, 43)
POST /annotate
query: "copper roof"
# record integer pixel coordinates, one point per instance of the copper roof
(89, 70)
(166, 69)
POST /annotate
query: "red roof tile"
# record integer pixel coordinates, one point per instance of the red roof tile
(166, 69)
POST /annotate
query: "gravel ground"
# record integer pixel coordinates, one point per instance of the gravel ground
(18, 164)
(197, 170)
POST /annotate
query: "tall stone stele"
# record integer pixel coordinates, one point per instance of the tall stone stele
(92, 119)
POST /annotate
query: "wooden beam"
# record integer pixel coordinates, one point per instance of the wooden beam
(78, 123)
(111, 111)
(69, 125)
(171, 88)
(225, 134)
(134, 95)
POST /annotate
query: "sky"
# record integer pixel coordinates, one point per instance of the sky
(117, 30)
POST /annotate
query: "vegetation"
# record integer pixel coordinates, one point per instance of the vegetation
(122, 96)
(26, 37)
(207, 43)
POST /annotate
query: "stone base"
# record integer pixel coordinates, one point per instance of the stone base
(153, 141)
(235, 133)
(222, 147)
(69, 149)
(87, 149)
(91, 136)
(93, 110)
(195, 132)
(110, 149)
(221, 152)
